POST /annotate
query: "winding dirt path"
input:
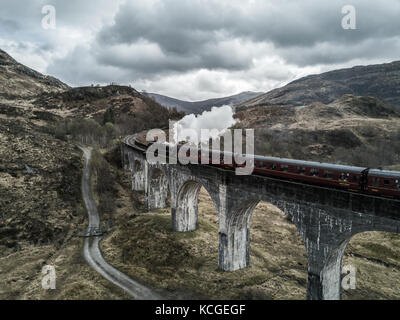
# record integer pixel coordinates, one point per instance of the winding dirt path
(91, 249)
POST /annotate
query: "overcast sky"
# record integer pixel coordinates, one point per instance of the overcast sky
(194, 49)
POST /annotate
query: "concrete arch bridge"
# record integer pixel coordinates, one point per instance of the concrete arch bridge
(325, 218)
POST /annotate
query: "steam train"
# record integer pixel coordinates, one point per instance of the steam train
(356, 179)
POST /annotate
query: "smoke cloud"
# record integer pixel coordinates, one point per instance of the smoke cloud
(218, 120)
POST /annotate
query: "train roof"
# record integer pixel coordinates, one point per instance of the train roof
(322, 165)
(385, 173)
(301, 162)
(313, 164)
(378, 172)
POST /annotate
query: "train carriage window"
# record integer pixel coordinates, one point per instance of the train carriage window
(386, 183)
(328, 174)
(273, 166)
(314, 172)
(284, 167)
(344, 176)
(355, 178)
(262, 164)
(375, 181)
(397, 183)
(301, 170)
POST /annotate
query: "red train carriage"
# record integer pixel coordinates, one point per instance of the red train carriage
(384, 182)
(356, 179)
(324, 174)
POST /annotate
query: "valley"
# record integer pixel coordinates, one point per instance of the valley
(42, 213)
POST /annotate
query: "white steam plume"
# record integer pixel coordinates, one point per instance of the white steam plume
(219, 119)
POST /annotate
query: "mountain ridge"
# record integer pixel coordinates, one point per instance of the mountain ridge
(204, 105)
(379, 80)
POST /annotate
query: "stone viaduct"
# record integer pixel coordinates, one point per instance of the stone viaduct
(325, 218)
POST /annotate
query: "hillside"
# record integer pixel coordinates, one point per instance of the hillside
(21, 81)
(41, 211)
(353, 130)
(381, 81)
(200, 106)
(131, 110)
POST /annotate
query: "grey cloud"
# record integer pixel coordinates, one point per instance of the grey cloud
(147, 62)
(187, 29)
(132, 40)
(286, 23)
(329, 53)
(80, 68)
(8, 26)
